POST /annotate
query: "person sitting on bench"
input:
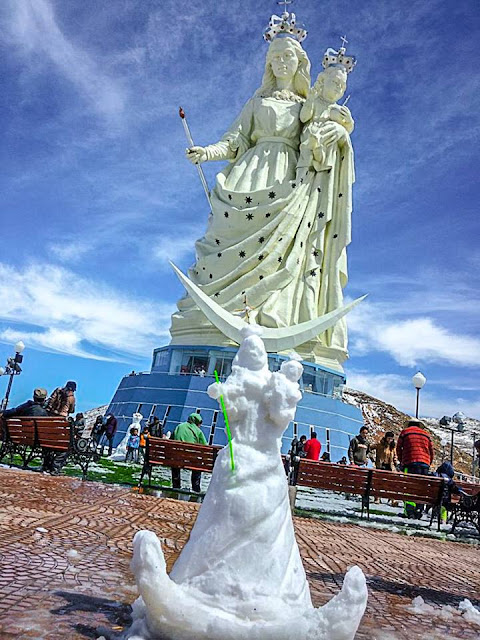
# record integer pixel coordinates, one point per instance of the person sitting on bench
(30, 407)
(189, 431)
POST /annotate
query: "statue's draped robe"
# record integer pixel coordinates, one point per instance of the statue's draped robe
(276, 233)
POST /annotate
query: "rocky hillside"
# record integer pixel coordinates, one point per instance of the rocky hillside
(91, 414)
(380, 417)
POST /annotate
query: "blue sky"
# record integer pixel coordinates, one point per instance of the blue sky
(96, 195)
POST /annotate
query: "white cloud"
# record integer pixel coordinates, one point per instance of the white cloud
(74, 315)
(399, 391)
(34, 28)
(409, 341)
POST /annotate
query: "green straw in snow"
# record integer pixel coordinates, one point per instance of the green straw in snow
(227, 426)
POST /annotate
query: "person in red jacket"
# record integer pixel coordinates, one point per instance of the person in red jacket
(312, 447)
(415, 449)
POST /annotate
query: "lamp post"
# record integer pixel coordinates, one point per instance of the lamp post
(12, 368)
(475, 453)
(459, 427)
(444, 443)
(418, 381)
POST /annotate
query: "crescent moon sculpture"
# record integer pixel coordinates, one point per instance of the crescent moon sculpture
(275, 340)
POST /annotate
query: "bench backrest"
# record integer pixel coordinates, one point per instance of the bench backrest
(172, 453)
(407, 487)
(332, 477)
(469, 487)
(21, 431)
(53, 433)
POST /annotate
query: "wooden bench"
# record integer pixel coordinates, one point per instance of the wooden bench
(182, 455)
(19, 437)
(34, 437)
(409, 487)
(334, 477)
(466, 508)
(369, 483)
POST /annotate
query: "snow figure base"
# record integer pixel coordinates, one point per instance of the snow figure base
(240, 575)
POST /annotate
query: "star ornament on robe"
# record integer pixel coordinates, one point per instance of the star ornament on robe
(249, 216)
(272, 195)
(248, 200)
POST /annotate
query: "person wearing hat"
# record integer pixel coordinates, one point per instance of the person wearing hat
(30, 407)
(385, 454)
(189, 431)
(62, 400)
(415, 448)
(415, 453)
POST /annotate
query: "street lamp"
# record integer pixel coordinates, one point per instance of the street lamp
(418, 381)
(444, 443)
(12, 368)
(453, 426)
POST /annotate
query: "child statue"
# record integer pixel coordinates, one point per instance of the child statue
(321, 109)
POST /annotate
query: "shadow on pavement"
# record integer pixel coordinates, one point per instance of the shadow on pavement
(410, 591)
(116, 613)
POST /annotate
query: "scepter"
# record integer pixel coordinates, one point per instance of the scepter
(186, 128)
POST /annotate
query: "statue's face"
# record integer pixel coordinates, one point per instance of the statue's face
(334, 85)
(283, 60)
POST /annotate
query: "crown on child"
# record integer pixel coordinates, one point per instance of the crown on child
(284, 25)
(334, 58)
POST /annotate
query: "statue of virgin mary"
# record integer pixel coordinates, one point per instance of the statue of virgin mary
(278, 229)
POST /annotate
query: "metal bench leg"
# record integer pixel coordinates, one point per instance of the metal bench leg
(144, 469)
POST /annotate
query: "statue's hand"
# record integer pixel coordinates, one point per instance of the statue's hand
(332, 133)
(196, 154)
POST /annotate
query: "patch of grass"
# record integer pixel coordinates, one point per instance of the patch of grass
(105, 470)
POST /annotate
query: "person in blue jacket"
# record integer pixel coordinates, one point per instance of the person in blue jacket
(447, 472)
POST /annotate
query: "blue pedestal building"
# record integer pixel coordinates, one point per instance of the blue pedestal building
(177, 382)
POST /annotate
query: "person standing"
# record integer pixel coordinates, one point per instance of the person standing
(110, 431)
(292, 461)
(385, 453)
(144, 436)
(133, 445)
(98, 429)
(415, 448)
(79, 425)
(189, 431)
(155, 427)
(62, 401)
(312, 447)
(359, 448)
(60, 404)
(415, 453)
(30, 407)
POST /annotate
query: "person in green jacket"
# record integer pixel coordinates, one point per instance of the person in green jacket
(190, 432)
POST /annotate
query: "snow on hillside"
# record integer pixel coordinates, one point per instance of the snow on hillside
(380, 416)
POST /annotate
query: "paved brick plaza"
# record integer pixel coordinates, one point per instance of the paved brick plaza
(48, 592)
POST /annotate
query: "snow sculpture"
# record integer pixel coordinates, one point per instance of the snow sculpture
(240, 575)
(121, 450)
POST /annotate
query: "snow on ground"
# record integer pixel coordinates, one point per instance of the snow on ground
(445, 612)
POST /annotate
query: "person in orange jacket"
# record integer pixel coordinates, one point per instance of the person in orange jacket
(143, 443)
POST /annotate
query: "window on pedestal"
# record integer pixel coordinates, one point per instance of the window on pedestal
(161, 360)
(193, 363)
(223, 366)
